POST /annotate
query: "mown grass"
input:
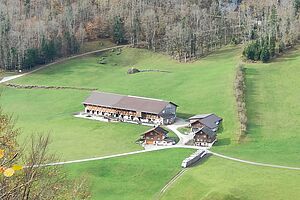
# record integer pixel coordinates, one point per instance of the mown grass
(51, 111)
(201, 87)
(273, 105)
(273, 137)
(204, 86)
(219, 179)
(139, 176)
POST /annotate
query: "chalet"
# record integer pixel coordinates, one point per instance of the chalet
(130, 108)
(155, 136)
(211, 121)
(205, 137)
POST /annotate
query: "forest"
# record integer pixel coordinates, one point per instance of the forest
(35, 32)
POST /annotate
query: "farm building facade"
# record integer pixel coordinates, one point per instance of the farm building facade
(211, 121)
(205, 137)
(130, 108)
(155, 136)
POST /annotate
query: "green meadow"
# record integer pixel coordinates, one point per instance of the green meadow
(140, 176)
(204, 86)
(199, 87)
(219, 179)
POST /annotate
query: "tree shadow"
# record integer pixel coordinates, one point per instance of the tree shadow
(252, 100)
(288, 55)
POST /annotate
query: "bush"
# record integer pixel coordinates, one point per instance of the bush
(252, 51)
(260, 50)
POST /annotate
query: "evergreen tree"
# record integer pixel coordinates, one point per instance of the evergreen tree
(51, 51)
(31, 58)
(118, 30)
(44, 51)
(265, 54)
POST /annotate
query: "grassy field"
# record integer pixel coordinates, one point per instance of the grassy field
(203, 86)
(273, 104)
(139, 176)
(200, 87)
(51, 111)
(219, 179)
(96, 45)
(273, 137)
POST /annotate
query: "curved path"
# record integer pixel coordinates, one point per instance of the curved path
(156, 148)
(180, 123)
(9, 78)
(183, 139)
(254, 163)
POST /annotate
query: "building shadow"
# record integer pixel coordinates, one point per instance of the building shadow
(221, 128)
(184, 115)
(223, 142)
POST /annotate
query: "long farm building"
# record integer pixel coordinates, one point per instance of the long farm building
(130, 108)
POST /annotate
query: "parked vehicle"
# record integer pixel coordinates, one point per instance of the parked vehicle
(195, 157)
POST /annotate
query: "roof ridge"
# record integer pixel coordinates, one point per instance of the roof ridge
(139, 97)
(148, 98)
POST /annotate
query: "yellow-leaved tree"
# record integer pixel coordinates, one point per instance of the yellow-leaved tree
(23, 174)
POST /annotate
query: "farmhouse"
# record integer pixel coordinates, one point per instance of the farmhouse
(204, 137)
(130, 108)
(211, 121)
(156, 136)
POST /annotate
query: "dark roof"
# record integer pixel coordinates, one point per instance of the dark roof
(209, 120)
(156, 129)
(138, 104)
(207, 131)
(200, 116)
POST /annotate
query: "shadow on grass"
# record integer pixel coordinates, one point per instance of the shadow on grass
(252, 100)
(223, 142)
(289, 55)
(201, 161)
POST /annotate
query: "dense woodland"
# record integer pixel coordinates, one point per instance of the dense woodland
(34, 32)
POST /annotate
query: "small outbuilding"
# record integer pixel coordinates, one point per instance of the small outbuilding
(155, 136)
(205, 137)
(211, 121)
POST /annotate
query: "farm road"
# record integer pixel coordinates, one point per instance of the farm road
(157, 148)
(253, 163)
(183, 138)
(170, 147)
(9, 78)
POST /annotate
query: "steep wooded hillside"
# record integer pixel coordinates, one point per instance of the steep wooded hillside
(34, 32)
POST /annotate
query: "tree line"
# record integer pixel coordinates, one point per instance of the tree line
(275, 27)
(240, 89)
(35, 32)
